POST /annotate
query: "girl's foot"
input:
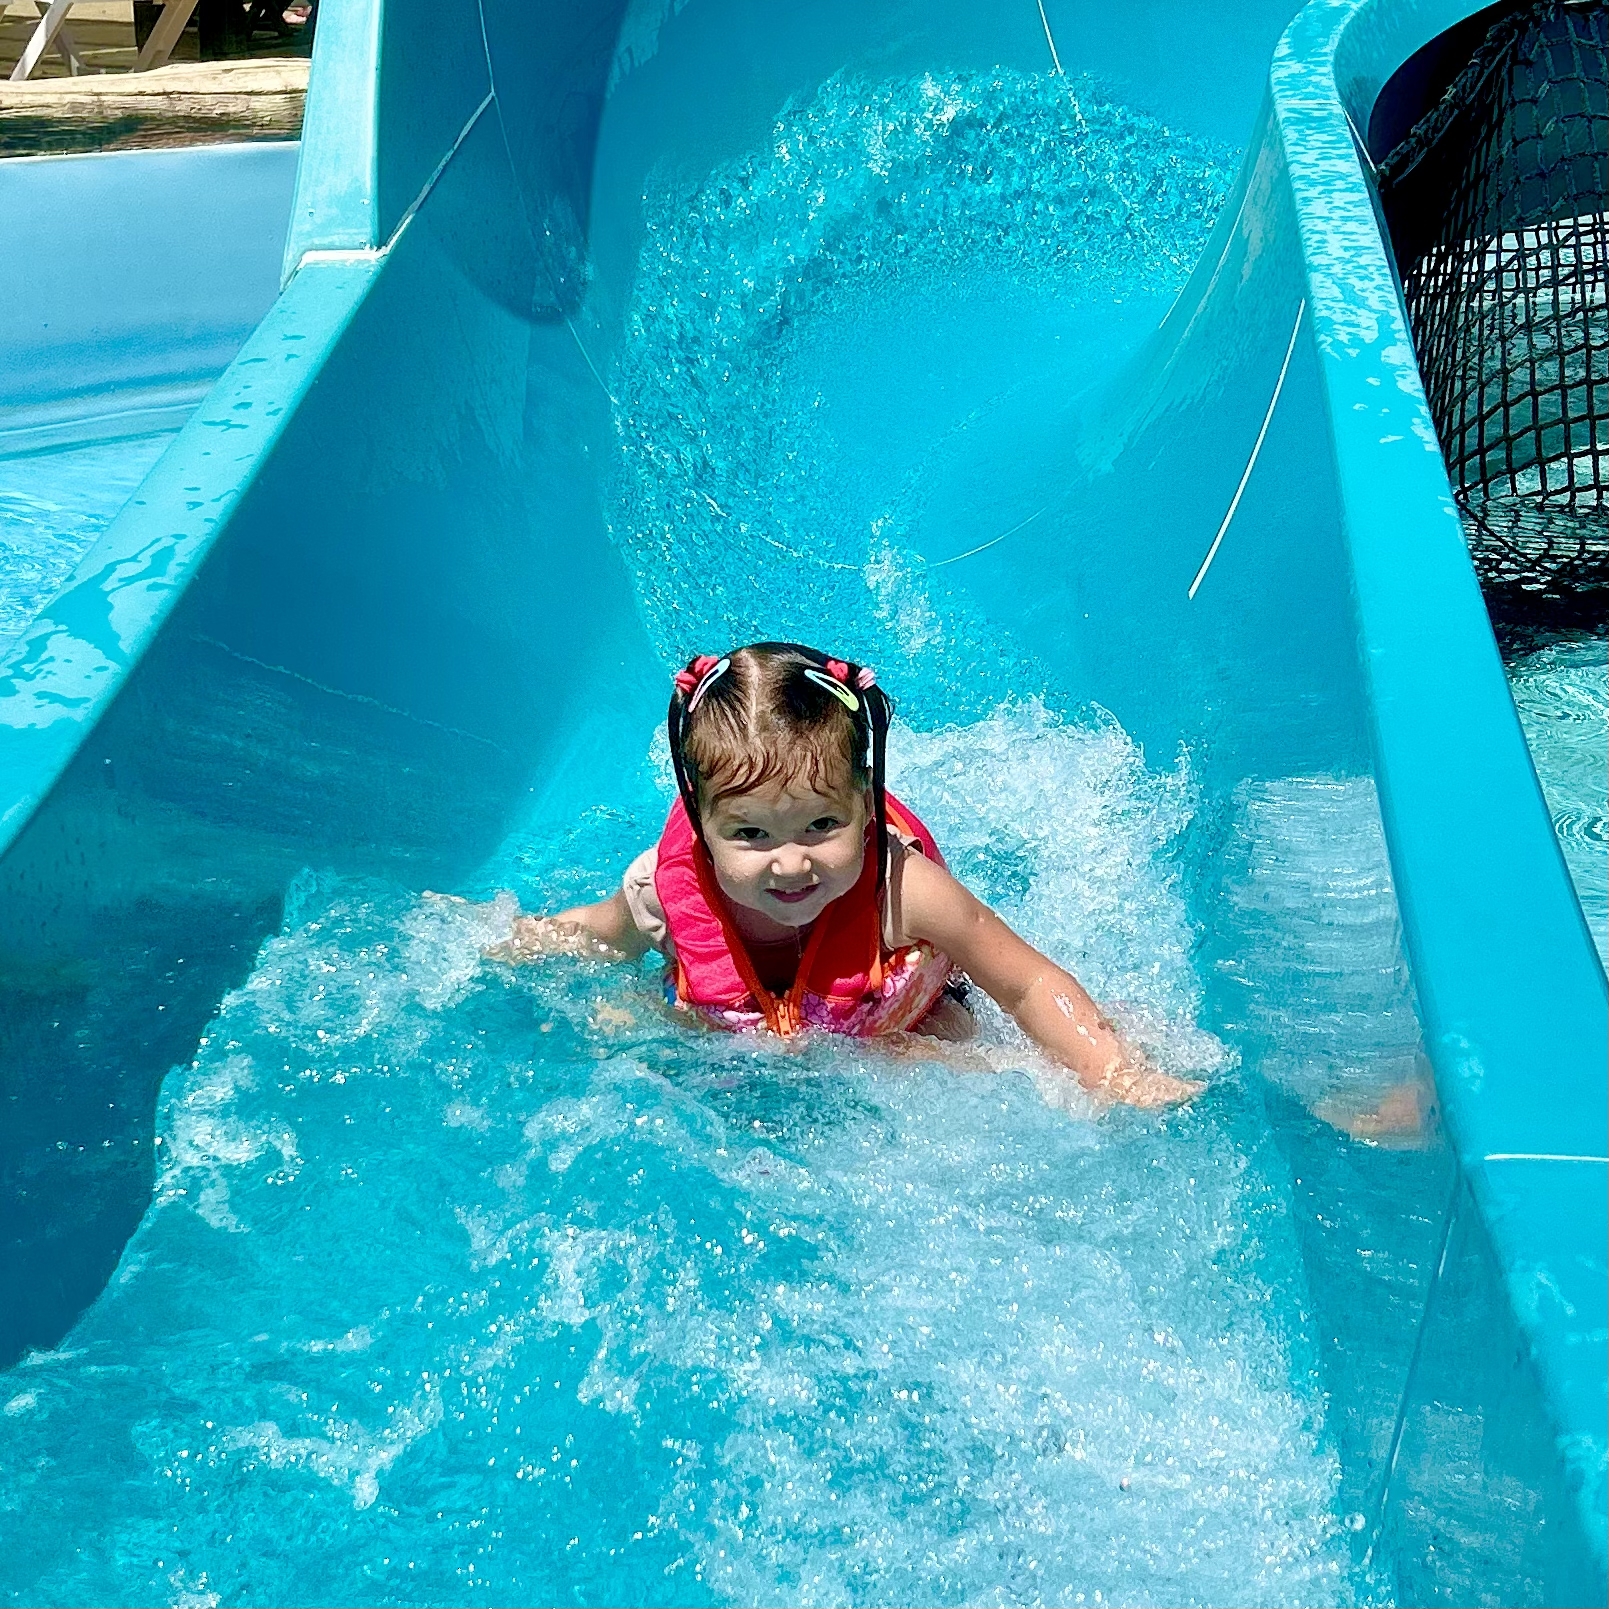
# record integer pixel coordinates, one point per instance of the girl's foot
(1398, 1119)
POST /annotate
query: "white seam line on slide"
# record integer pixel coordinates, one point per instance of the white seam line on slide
(1257, 447)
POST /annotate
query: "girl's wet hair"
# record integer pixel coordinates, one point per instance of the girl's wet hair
(778, 712)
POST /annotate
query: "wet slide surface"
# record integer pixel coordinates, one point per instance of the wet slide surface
(460, 1283)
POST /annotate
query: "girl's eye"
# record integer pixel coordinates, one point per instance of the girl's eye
(825, 824)
(749, 835)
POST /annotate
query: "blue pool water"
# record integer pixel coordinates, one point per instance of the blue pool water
(1562, 693)
(52, 506)
(466, 1284)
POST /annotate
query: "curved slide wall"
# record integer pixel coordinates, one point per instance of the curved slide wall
(364, 612)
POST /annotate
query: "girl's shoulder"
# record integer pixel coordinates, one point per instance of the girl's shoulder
(922, 896)
(642, 899)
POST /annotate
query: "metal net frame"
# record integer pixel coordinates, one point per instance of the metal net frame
(1497, 202)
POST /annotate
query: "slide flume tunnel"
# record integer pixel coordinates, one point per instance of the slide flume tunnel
(607, 335)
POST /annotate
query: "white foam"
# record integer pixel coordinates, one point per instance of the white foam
(1065, 831)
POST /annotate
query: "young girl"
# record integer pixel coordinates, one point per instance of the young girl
(791, 890)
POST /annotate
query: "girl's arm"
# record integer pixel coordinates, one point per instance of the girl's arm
(605, 930)
(1049, 1004)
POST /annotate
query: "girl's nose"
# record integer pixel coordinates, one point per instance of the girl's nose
(791, 864)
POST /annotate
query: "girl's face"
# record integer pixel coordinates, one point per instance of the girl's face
(784, 852)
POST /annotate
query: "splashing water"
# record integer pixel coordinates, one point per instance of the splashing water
(1313, 946)
(460, 1280)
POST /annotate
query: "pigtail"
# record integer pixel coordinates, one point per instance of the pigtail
(675, 722)
(695, 680)
(879, 711)
(870, 708)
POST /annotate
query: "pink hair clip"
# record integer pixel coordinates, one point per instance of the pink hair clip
(838, 670)
(865, 677)
(709, 670)
(697, 669)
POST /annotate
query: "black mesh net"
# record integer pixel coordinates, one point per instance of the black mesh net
(1496, 202)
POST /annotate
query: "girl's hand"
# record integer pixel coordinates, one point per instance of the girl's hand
(1140, 1084)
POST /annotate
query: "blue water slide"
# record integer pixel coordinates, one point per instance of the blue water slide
(365, 611)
